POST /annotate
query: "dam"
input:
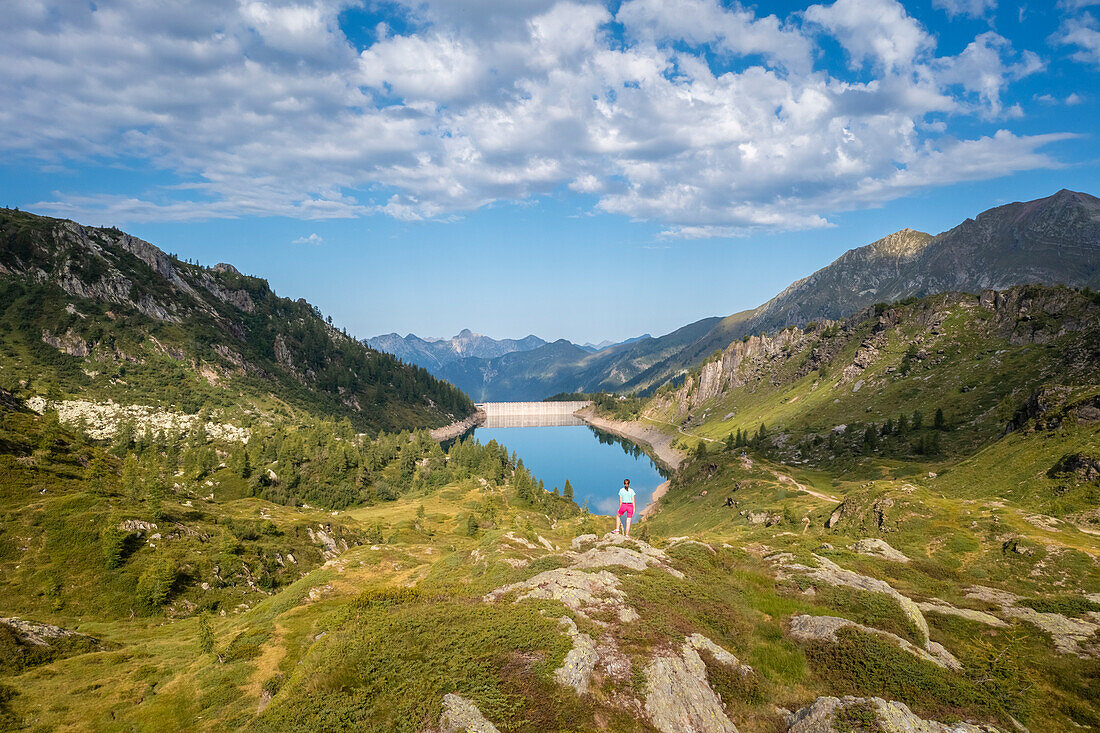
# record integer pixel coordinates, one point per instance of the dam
(531, 414)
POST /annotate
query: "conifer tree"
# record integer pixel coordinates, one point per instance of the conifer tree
(938, 422)
(567, 491)
(205, 634)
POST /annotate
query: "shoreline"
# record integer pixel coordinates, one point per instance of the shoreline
(657, 440)
(458, 429)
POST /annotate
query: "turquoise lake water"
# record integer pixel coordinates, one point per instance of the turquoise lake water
(595, 463)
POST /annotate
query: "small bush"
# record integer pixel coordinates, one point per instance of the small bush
(1074, 606)
(731, 684)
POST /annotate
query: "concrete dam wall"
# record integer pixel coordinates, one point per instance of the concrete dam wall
(531, 414)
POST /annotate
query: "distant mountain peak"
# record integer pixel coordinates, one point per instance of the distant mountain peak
(904, 243)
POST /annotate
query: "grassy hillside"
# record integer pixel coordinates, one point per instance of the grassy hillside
(434, 590)
(98, 314)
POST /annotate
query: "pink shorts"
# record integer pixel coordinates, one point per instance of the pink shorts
(627, 509)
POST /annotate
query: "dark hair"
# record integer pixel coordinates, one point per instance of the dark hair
(626, 481)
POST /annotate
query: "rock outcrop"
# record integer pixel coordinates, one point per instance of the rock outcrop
(825, 628)
(831, 715)
(1070, 635)
(679, 698)
(829, 572)
(462, 716)
(878, 548)
(588, 594)
(577, 668)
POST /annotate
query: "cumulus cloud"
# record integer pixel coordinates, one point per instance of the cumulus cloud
(708, 118)
(314, 239)
(1084, 33)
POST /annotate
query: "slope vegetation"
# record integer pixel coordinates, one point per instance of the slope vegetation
(97, 313)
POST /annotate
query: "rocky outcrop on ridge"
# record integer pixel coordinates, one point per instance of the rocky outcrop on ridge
(832, 715)
(678, 697)
(825, 628)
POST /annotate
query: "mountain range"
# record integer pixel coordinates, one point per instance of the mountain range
(1053, 240)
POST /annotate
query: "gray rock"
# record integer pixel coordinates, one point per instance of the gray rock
(824, 628)
(461, 715)
(37, 634)
(831, 573)
(700, 642)
(585, 593)
(583, 539)
(679, 698)
(576, 670)
(878, 548)
(942, 607)
(891, 717)
(1070, 635)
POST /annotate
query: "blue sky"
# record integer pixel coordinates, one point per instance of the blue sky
(578, 170)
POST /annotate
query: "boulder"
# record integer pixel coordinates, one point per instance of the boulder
(878, 548)
(462, 716)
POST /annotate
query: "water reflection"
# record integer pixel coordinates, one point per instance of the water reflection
(584, 456)
(532, 421)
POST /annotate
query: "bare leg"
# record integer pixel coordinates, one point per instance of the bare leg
(627, 533)
(618, 525)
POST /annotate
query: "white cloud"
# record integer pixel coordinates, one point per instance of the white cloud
(1084, 33)
(982, 69)
(974, 8)
(876, 31)
(709, 119)
(314, 239)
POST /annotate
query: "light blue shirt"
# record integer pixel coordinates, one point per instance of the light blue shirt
(626, 496)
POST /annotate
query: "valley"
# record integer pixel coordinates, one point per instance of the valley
(882, 509)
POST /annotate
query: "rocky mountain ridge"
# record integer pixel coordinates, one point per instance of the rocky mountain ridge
(95, 312)
(433, 354)
(1053, 240)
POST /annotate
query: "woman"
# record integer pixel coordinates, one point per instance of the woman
(626, 506)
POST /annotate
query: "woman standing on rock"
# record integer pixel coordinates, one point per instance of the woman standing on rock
(626, 506)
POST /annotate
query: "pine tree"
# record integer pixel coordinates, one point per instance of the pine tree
(131, 483)
(938, 422)
(918, 419)
(567, 492)
(870, 438)
(471, 525)
(206, 634)
(730, 443)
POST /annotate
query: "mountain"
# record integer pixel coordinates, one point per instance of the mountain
(1054, 240)
(97, 314)
(565, 367)
(606, 344)
(1050, 240)
(433, 354)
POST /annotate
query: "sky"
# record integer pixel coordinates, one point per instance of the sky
(580, 170)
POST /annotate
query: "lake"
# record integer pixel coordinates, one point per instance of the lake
(594, 462)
